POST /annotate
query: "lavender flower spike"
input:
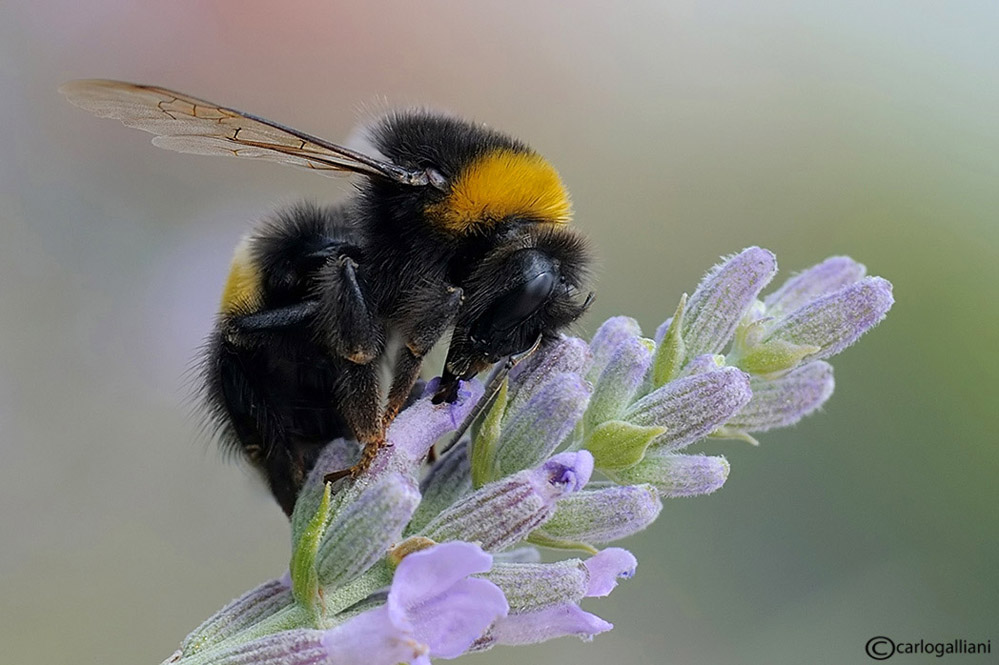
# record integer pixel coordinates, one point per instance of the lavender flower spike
(726, 364)
(504, 512)
(434, 609)
(722, 298)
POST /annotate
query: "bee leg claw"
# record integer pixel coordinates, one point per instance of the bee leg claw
(367, 457)
(338, 475)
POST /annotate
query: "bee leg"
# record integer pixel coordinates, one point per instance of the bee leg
(358, 398)
(420, 336)
(241, 328)
(347, 325)
(345, 317)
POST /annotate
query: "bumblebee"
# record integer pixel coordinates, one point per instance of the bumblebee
(454, 226)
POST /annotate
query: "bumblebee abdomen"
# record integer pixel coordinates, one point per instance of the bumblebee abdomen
(243, 291)
(276, 405)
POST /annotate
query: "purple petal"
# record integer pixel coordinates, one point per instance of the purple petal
(677, 475)
(424, 574)
(827, 277)
(449, 623)
(416, 428)
(607, 567)
(722, 298)
(691, 407)
(547, 624)
(532, 431)
(837, 320)
(433, 609)
(785, 400)
(373, 638)
(447, 611)
(569, 472)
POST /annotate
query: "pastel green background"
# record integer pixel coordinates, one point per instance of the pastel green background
(685, 130)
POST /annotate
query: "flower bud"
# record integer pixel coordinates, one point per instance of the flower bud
(532, 430)
(241, 613)
(722, 298)
(837, 320)
(619, 381)
(600, 516)
(567, 354)
(609, 337)
(827, 277)
(532, 586)
(418, 426)
(449, 480)
(691, 407)
(785, 400)
(677, 475)
(504, 512)
(361, 533)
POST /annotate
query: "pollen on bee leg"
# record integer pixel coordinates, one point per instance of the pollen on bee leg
(368, 455)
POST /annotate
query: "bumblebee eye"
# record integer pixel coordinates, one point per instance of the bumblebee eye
(437, 179)
(511, 309)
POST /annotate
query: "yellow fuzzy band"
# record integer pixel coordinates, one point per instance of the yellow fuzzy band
(502, 184)
(243, 287)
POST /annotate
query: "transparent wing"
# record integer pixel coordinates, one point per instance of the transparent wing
(192, 125)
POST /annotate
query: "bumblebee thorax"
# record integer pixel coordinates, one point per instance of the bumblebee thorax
(500, 184)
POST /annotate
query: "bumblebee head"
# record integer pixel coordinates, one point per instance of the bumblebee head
(504, 212)
(526, 288)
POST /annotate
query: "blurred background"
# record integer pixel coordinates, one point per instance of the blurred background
(685, 130)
